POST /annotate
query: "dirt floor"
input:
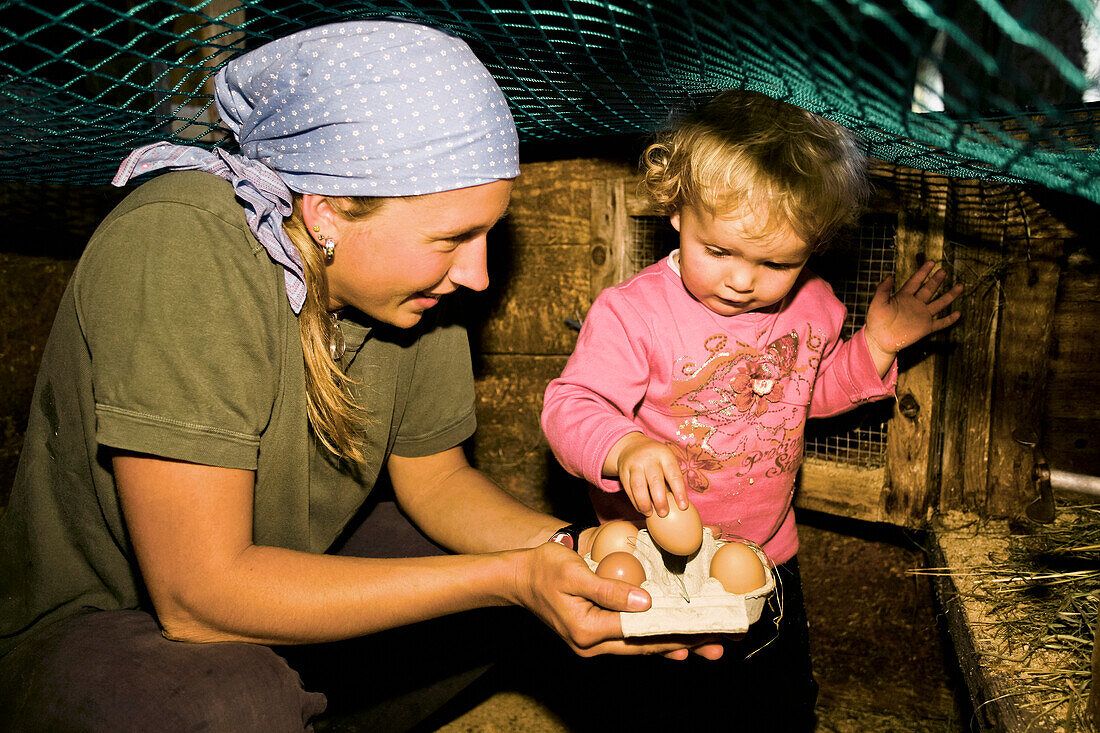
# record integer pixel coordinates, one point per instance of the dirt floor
(881, 654)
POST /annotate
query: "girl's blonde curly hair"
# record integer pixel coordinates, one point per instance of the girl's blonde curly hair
(744, 150)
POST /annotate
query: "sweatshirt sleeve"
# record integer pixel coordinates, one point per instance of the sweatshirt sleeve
(848, 377)
(592, 404)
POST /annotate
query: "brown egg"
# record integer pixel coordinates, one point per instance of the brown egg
(679, 532)
(621, 566)
(737, 568)
(617, 535)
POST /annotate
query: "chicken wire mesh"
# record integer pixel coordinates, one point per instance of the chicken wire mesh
(973, 88)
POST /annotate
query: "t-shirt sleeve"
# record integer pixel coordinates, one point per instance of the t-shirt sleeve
(177, 311)
(439, 412)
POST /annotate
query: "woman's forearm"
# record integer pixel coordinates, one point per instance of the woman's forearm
(278, 596)
(191, 530)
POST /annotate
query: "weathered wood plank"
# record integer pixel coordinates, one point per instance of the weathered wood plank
(912, 445)
(1073, 398)
(841, 489)
(551, 201)
(608, 262)
(529, 299)
(1071, 415)
(1071, 444)
(636, 200)
(1030, 287)
(509, 445)
(974, 243)
(993, 710)
(995, 659)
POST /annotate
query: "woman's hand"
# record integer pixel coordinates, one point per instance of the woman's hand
(556, 585)
(905, 317)
(648, 471)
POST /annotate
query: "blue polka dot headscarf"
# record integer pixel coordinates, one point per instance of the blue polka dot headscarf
(370, 109)
(361, 108)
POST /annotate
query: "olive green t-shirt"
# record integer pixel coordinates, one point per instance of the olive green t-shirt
(175, 338)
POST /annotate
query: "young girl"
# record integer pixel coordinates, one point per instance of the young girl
(696, 376)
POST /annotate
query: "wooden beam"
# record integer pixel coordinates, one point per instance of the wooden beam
(999, 661)
(993, 706)
(610, 226)
(912, 438)
(1030, 289)
(841, 489)
(968, 378)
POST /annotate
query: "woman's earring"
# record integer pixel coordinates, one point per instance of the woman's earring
(328, 244)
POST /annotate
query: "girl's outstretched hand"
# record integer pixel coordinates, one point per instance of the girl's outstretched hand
(897, 320)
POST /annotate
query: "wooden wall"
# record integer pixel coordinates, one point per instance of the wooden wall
(1071, 409)
(1025, 354)
(1023, 359)
(541, 266)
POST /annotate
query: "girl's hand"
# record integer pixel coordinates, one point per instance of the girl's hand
(899, 320)
(645, 468)
(556, 585)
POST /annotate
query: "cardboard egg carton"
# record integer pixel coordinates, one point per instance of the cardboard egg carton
(691, 602)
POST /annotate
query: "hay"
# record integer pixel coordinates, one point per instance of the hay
(1040, 595)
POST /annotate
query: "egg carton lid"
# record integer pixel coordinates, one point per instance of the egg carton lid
(691, 602)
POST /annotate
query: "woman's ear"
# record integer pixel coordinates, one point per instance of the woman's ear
(674, 220)
(318, 216)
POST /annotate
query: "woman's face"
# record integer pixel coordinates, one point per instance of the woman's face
(731, 271)
(400, 261)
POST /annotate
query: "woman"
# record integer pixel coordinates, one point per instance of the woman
(243, 349)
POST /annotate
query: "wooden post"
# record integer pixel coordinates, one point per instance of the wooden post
(1006, 249)
(974, 250)
(1033, 244)
(610, 223)
(912, 439)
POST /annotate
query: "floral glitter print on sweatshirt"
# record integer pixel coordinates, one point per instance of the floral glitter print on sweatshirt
(743, 407)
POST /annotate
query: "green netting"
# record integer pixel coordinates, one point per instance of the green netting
(970, 88)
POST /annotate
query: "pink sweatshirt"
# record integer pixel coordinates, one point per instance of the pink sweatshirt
(728, 394)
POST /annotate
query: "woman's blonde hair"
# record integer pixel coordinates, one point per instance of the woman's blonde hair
(745, 151)
(336, 417)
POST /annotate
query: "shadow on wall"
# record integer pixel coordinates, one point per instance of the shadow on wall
(49, 226)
